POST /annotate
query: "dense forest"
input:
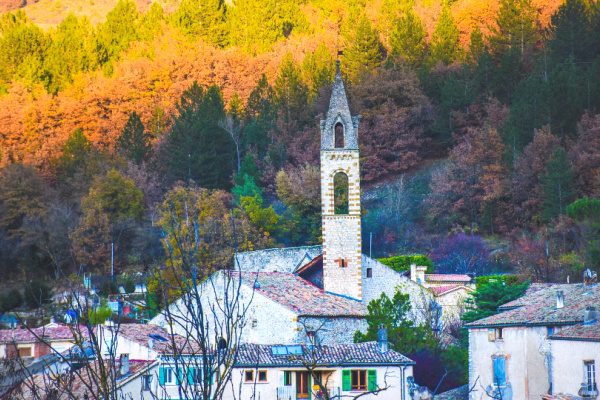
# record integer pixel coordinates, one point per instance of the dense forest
(479, 137)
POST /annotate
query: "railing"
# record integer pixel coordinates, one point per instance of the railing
(286, 393)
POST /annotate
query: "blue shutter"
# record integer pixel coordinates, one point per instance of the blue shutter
(499, 371)
(161, 376)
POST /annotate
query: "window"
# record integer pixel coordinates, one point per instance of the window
(359, 379)
(339, 135)
(340, 193)
(499, 334)
(194, 375)
(24, 351)
(302, 385)
(169, 376)
(287, 378)
(549, 331)
(249, 376)
(590, 375)
(147, 382)
(369, 272)
(499, 371)
(262, 376)
(341, 262)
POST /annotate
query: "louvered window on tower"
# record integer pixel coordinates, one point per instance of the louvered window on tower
(340, 193)
(339, 136)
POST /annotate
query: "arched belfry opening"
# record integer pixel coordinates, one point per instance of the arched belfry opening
(339, 136)
(340, 193)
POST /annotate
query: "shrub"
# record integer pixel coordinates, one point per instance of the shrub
(402, 263)
(37, 293)
(10, 301)
(129, 285)
(109, 287)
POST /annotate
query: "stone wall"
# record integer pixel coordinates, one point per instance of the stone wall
(330, 330)
(277, 260)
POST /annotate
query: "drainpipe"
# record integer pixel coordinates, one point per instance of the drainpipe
(402, 382)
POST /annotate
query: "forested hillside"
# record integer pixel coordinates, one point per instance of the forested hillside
(480, 131)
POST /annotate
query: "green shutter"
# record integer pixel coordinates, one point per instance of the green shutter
(190, 375)
(161, 376)
(346, 380)
(372, 380)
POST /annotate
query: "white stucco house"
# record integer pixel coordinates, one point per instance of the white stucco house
(531, 348)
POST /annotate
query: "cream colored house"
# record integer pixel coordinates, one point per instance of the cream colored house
(520, 353)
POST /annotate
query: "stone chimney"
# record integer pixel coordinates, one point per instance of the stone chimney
(124, 364)
(590, 315)
(382, 341)
(413, 272)
(560, 299)
(589, 277)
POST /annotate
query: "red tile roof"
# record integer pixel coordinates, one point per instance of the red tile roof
(437, 290)
(301, 296)
(579, 332)
(447, 278)
(258, 355)
(539, 307)
(50, 332)
(140, 334)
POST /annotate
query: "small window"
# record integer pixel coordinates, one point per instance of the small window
(287, 378)
(339, 135)
(499, 364)
(147, 382)
(249, 376)
(499, 334)
(169, 376)
(262, 376)
(369, 272)
(340, 193)
(590, 375)
(359, 380)
(549, 331)
(24, 351)
(342, 263)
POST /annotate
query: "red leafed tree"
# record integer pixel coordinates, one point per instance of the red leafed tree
(585, 156)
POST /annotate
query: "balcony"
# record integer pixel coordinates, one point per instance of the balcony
(588, 391)
(289, 393)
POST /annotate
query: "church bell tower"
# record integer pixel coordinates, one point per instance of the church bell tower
(340, 196)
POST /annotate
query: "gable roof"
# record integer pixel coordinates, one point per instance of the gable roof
(443, 290)
(539, 307)
(586, 333)
(447, 278)
(301, 296)
(257, 355)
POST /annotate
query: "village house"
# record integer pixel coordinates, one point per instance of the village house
(36, 343)
(531, 348)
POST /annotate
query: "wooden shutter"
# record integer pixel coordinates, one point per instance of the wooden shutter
(161, 376)
(499, 371)
(346, 380)
(371, 380)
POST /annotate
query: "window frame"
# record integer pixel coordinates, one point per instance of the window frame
(260, 378)
(287, 378)
(361, 383)
(499, 334)
(251, 372)
(589, 370)
(170, 376)
(28, 348)
(369, 272)
(147, 383)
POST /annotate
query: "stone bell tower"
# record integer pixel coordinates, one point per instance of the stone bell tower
(340, 196)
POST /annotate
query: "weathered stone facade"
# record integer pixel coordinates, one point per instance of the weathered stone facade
(286, 259)
(342, 272)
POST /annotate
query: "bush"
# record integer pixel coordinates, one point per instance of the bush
(99, 315)
(37, 293)
(402, 263)
(129, 285)
(508, 279)
(109, 287)
(10, 301)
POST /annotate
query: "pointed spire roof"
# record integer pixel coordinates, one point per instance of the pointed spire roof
(339, 111)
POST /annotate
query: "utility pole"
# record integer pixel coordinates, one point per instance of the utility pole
(112, 261)
(371, 245)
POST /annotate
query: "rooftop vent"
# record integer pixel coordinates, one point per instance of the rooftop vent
(560, 299)
(589, 277)
(382, 341)
(590, 315)
(124, 364)
(257, 285)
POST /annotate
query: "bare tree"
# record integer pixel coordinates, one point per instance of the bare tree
(235, 130)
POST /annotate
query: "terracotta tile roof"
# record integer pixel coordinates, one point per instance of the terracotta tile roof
(301, 296)
(460, 393)
(367, 353)
(560, 397)
(50, 332)
(447, 278)
(75, 386)
(140, 334)
(539, 307)
(533, 288)
(437, 290)
(579, 332)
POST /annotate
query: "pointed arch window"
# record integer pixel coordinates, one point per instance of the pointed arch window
(339, 136)
(340, 193)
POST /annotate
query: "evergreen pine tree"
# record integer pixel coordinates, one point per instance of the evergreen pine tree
(318, 70)
(476, 47)
(365, 52)
(204, 18)
(445, 43)
(389, 14)
(134, 141)
(569, 31)
(74, 153)
(557, 185)
(260, 112)
(291, 95)
(515, 27)
(408, 39)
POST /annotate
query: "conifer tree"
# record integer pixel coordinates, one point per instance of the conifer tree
(365, 52)
(515, 27)
(204, 18)
(569, 31)
(476, 47)
(557, 185)
(408, 39)
(389, 14)
(134, 141)
(445, 43)
(318, 70)
(260, 112)
(291, 94)
(74, 153)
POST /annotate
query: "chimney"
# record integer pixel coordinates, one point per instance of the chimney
(124, 364)
(382, 339)
(413, 272)
(560, 299)
(52, 320)
(590, 315)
